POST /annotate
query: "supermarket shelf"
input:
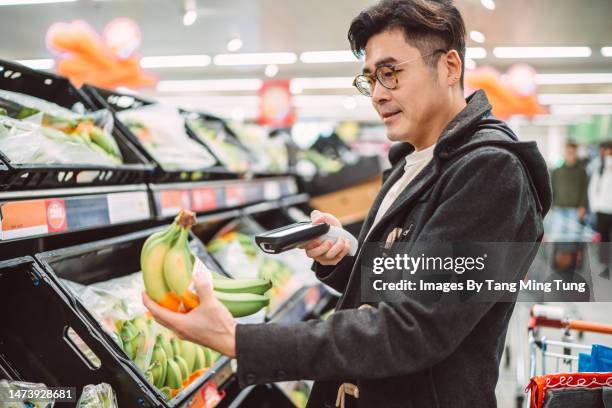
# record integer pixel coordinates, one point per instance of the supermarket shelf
(35, 213)
(200, 197)
(303, 304)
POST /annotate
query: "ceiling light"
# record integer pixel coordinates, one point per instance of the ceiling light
(190, 17)
(488, 4)
(295, 87)
(475, 53)
(578, 78)
(477, 36)
(542, 52)
(264, 58)
(234, 44)
(42, 63)
(271, 70)
(606, 51)
(318, 57)
(323, 82)
(191, 12)
(571, 99)
(197, 85)
(175, 61)
(581, 110)
(26, 2)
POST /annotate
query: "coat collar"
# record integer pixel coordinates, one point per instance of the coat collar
(450, 140)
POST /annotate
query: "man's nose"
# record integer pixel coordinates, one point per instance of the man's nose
(379, 93)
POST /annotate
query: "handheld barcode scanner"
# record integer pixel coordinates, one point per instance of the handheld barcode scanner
(291, 236)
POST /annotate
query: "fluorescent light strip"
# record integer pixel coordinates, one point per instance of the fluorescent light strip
(606, 51)
(581, 109)
(198, 85)
(42, 63)
(319, 57)
(573, 99)
(29, 2)
(323, 82)
(175, 61)
(264, 58)
(542, 52)
(578, 78)
(475, 53)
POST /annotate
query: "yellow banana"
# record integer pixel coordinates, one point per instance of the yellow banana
(178, 265)
(152, 265)
(242, 304)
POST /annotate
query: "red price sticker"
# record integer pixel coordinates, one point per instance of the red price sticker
(204, 199)
(57, 220)
(172, 201)
(207, 397)
(24, 219)
(234, 195)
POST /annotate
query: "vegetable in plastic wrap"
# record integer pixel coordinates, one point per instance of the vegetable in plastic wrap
(272, 153)
(29, 143)
(94, 130)
(7, 386)
(161, 130)
(233, 156)
(98, 396)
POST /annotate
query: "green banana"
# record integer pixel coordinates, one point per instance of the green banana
(157, 370)
(167, 393)
(105, 141)
(166, 345)
(242, 304)
(188, 352)
(183, 366)
(176, 346)
(254, 286)
(200, 358)
(150, 376)
(152, 258)
(159, 356)
(214, 356)
(209, 357)
(178, 264)
(143, 341)
(129, 334)
(174, 377)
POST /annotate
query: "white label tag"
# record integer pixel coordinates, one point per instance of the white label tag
(200, 269)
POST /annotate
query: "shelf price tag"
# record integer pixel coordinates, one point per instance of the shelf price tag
(234, 195)
(32, 217)
(172, 201)
(130, 206)
(272, 190)
(207, 397)
(203, 199)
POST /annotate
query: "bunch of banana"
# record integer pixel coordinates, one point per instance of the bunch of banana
(135, 339)
(167, 264)
(277, 271)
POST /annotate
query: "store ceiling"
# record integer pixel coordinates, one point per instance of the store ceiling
(315, 25)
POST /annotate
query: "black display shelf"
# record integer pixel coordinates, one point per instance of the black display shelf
(53, 88)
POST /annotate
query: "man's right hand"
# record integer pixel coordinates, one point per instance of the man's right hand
(324, 252)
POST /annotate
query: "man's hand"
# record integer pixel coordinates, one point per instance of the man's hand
(210, 324)
(582, 211)
(324, 252)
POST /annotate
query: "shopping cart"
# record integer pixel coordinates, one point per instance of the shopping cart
(562, 374)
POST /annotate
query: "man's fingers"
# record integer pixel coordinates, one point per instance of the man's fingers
(311, 244)
(319, 250)
(335, 249)
(164, 316)
(203, 288)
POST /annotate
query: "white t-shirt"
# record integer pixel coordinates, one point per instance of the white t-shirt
(415, 162)
(600, 189)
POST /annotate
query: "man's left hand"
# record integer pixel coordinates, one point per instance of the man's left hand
(210, 324)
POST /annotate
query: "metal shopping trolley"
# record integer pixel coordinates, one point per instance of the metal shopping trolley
(560, 380)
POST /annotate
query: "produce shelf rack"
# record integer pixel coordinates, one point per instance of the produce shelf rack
(14, 176)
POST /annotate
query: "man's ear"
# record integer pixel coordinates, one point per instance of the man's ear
(452, 60)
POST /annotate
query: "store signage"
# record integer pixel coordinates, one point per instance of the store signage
(203, 199)
(234, 195)
(170, 202)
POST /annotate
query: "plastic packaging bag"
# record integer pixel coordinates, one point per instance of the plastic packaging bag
(98, 396)
(9, 388)
(271, 153)
(161, 130)
(26, 143)
(117, 305)
(93, 130)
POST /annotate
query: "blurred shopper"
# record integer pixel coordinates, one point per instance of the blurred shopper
(595, 164)
(600, 199)
(569, 184)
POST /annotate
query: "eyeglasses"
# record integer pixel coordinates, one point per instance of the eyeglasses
(386, 75)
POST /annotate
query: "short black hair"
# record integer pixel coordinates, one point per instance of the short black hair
(428, 25)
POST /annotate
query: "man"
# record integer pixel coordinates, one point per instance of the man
(569, 184)
(469, 179)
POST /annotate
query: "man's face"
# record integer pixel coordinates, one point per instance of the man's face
(570, 155)
(419, 95)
